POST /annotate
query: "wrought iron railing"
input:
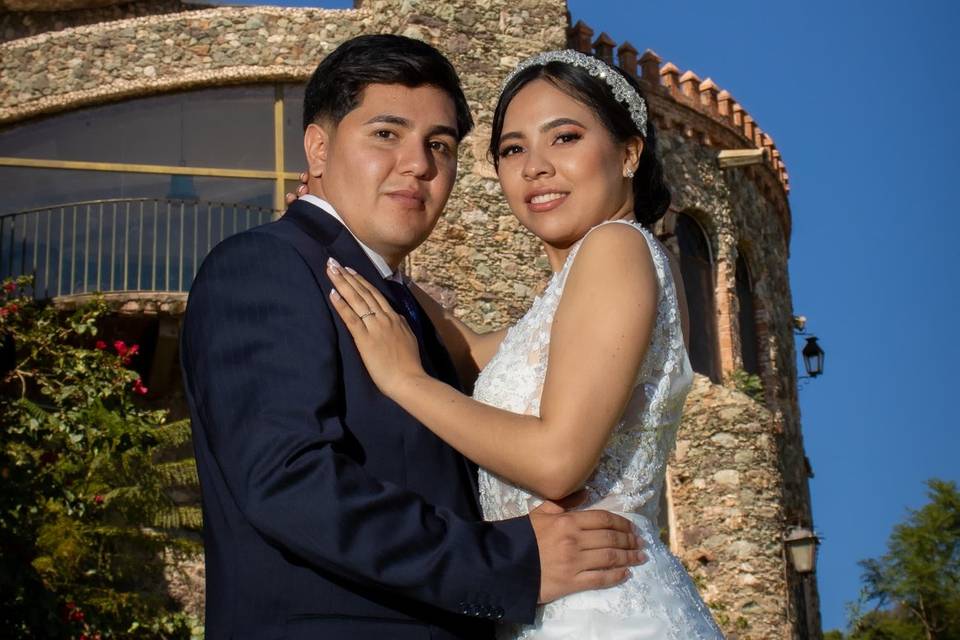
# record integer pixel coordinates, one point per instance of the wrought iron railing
(138, 244)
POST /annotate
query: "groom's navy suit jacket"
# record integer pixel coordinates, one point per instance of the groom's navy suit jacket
(329, 512)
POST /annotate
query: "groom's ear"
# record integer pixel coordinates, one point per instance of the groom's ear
(316, 144)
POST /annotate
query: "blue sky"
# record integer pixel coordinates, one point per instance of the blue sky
(859, 96)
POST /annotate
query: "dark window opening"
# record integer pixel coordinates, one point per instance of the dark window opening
(696, 267)
(747, 319)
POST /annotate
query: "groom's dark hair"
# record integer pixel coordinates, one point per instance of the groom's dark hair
(336, 86)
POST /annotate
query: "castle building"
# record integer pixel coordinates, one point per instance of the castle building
(136, 135)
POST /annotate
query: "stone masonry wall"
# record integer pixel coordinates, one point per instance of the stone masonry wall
(480, 259)
(106, 62)
(727, 497)
(728, 492)
(478, 255)
(26, 18)
(739, 475)
(744, 210)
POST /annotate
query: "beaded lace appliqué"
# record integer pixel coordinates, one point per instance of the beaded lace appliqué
(629, 476)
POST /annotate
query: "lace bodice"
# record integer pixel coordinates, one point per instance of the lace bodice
(659, 600)
(630, 473)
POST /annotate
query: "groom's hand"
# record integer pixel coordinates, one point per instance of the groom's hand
(582, 550)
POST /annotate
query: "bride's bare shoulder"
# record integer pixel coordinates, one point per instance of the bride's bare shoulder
(620, 250)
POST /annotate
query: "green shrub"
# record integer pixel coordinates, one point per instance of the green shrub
(747, 383)
(83, 502)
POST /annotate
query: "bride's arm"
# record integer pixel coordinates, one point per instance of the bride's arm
(471, 351)
(599, 336)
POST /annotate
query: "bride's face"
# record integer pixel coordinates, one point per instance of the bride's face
(560, 169)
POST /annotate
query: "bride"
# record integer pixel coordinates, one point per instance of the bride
(587, 389)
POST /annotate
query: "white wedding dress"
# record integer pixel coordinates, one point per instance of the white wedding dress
(659, 600)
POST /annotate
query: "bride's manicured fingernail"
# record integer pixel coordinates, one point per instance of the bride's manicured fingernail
(351, 271)
(333, 265)
(335, 295)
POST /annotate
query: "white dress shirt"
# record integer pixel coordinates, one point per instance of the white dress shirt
(375, 258)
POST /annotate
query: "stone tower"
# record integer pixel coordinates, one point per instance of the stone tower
(738, 480)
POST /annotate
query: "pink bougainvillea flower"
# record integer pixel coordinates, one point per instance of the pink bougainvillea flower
(121, 347)
(139, 388)
(98, 499)
(9, 287)
(101, 345)
(128, 355)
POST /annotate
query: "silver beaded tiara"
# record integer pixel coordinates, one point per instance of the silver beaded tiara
(622, 90)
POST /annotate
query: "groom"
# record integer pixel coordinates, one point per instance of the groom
(329, 512)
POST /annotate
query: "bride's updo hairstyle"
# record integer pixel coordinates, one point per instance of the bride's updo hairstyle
(651, 197)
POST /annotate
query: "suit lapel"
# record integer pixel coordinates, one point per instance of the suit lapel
(340, 243)
(329, 233)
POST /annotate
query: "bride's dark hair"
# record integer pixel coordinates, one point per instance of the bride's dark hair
(651, 197)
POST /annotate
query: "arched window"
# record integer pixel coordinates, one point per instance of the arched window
(132, 195)
(696, 267)
(747, 319)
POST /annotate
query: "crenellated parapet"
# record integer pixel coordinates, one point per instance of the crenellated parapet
(698, 109)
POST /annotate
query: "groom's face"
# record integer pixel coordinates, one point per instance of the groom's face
(388, 166)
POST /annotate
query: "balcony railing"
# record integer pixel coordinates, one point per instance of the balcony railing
(118, 245)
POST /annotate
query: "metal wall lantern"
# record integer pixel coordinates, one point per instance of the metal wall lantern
(813, 357)
(802, 549)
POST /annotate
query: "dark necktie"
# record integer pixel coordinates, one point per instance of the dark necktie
(408, 306)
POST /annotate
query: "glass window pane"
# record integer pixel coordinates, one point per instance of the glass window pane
(229, 127)
(28, 188)
(293, 128)
(90, 231)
